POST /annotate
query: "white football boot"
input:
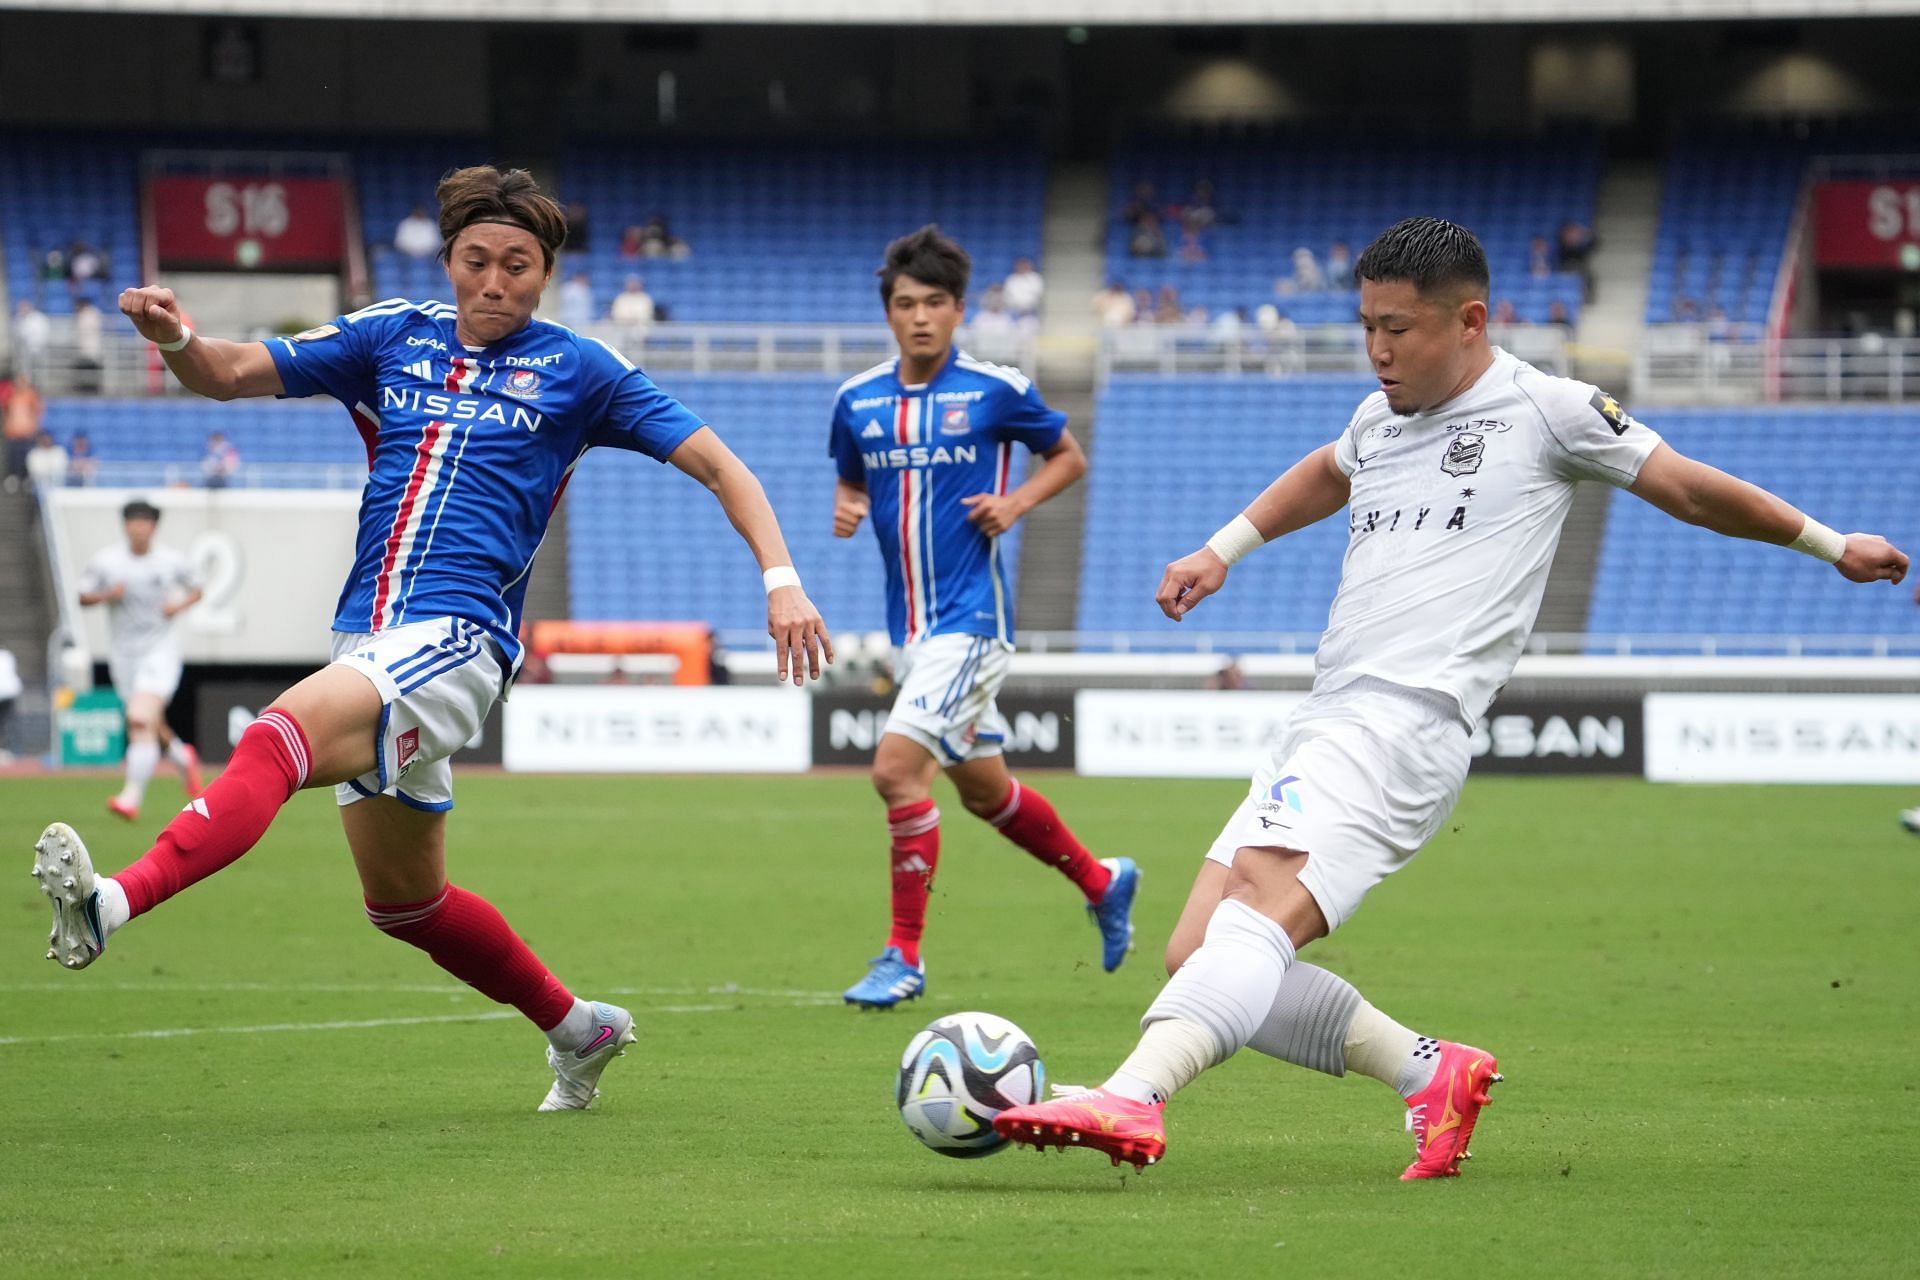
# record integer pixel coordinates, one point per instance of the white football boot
(65, 873)
(577, 1071)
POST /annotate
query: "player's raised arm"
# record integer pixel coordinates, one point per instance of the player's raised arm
(212, 367)
(1307, 492)
(792, 621)
(1692, 491)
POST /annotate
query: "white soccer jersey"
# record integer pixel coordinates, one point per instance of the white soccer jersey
(1455, 516)
(137, 622)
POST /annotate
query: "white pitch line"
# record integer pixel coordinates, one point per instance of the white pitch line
(359, 1024)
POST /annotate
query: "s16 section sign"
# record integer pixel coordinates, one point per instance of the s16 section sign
(1866, 224)
(269, 223)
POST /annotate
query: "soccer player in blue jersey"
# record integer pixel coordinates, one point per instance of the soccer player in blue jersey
(925, 444)
(474, 414)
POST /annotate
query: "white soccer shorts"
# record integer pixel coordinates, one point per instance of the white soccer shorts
(947, 685)
(156, 671)
(1361, 778)
(437, 679)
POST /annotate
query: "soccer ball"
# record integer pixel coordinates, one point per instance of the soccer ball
(961, 1072)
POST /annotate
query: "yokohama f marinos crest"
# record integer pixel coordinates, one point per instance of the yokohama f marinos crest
(1463, 455)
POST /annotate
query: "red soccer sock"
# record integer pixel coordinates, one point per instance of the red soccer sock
(915, 829)
(473, 942)
(269, 764)
(1029, 821)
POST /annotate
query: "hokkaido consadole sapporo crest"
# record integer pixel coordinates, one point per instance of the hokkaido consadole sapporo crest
(961, 1072)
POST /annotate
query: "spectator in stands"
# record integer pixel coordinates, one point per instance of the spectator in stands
(85, 264)
(1307, 276)
(1197, 317)
(417, 236)
(1339, 271)
(32, 334)
(1282, 337)
(89, 346)
(1229, 677)
(1557, 314)
(658, 241)
(1113, 306)
(1023, 289)
(83, 464)
(992, 315)
(1504, 312)
(21, 426)
(1574, 252)
(1539, 258)
(53, 267)
(576, 241)
(1141, 207)
(1143, 307)
(576, 301)
(1230, 324)
(220, 463)
(1719, 326)
(1686, 311)
(1167, 310)
(1198, 216)
(632, 241)
(46, 463)
(10, 690)
(633, 306)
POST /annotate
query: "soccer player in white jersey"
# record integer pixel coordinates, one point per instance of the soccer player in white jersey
(474, 414)
(145, 586)
(925, 444)
(1456, 475)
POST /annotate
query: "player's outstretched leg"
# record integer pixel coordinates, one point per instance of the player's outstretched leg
(1030, 821)
(913, 852)
(1202, 1017)
(576, 1069)
(65, 872)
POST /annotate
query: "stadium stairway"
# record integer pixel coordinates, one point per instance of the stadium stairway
(1569, 593)
(27, 621)
(1048, 590)
(1626, 223)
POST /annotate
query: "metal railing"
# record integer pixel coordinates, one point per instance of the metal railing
(1330, 348)
(125, 365)
(1680, 362)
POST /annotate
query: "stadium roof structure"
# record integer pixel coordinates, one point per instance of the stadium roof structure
(1011, 12)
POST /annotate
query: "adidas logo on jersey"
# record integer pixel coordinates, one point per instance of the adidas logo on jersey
(874, 430)
(422, 369)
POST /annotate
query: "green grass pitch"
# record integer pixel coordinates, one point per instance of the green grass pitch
(1705, 1001)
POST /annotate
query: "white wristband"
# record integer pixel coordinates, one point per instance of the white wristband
(1820, 542)
(1235, 539)
(781, 575)
(186, 336)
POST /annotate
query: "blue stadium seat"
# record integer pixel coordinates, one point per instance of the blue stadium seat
(1660, 577)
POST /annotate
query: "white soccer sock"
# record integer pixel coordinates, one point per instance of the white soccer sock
(1378, 1046)
(114, 910)
(1211, 1007)
(142, 759)
(177, 753)
(572, 1029)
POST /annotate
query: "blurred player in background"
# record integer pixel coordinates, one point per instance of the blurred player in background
(1458, 474)
(925, 443)
(474, 415)
(145, 586)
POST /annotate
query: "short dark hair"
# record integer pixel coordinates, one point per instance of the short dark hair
(929, 257)
(485, 193)
(1432, 253)
(140, 509)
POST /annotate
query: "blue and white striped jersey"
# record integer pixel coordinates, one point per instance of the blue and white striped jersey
(921, 449)
(468, 452)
